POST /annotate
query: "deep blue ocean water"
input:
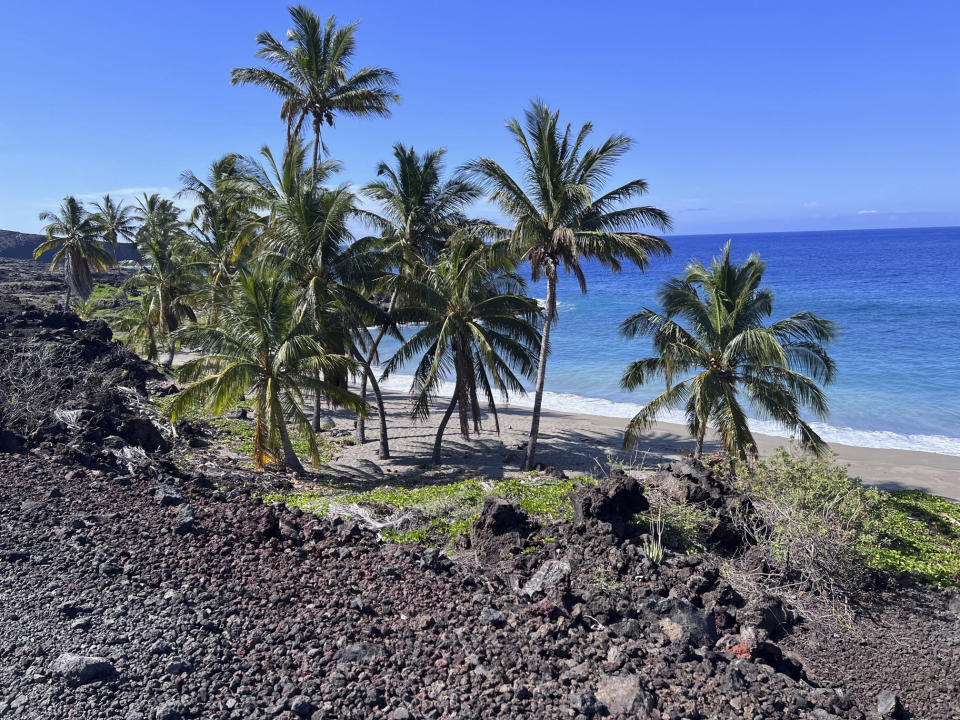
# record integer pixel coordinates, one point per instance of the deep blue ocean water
(895, 295)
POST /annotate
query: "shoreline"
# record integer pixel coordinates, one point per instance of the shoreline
(583, 442)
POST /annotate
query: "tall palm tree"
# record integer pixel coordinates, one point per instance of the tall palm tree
(477, 325)
(221, 227)
(114, 221)
(418, 210)
(562, 216)
(314, 79)
(307, 233)
(165, 278)
(261, 349)
(76, 236)
(777, 368)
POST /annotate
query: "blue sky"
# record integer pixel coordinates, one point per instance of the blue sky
(747, 116)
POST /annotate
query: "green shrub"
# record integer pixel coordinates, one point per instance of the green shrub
(917, 534)
(828, 527)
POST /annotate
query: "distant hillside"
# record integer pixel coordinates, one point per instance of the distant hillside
(20, 245)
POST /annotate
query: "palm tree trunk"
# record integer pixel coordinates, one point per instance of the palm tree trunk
(316, 148)
(290, 458)
(698, 453)
(170, 354)
(381, 411)
(321, 419)
(549, 315)
(66, 303)
(443, 425)
(361, 421)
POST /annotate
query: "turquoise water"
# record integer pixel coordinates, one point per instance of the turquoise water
(895, 295)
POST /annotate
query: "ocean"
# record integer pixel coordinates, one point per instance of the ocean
(895, 295)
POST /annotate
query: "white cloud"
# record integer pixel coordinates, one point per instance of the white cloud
(811, 204)
(866, 212)
(128, 193)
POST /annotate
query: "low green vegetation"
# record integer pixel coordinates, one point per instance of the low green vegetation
(237, 434)
(918, 534)
(440, 513)
(829, 527)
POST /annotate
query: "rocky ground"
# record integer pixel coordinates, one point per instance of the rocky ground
(132, 586)
(32, 281)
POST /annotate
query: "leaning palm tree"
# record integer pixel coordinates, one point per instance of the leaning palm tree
(723, 338)
(314, 79)
(114, 221)
(476, 325)
(261, 349)
(417, 210)
(562, 216)
(76, 236)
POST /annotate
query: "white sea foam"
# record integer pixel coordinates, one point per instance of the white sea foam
(568, 402)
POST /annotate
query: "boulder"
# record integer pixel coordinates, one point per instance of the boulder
(489, 616)
(166, 496)
(80, 669)
(681, 620)
(622, 695)
(183, 523)
(498, 529)
(615, 501)
(362, 652)
(583, 702)
(548, 576)
(888, 704)
(301, 706)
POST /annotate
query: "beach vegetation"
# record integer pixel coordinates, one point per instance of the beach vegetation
(114, 221)
(563, 214)
(261, 350)
(713, 324)
(164, 281)
(416, 210)
(476, 327)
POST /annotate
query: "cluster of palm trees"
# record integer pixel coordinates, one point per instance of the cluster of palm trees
(277, 296)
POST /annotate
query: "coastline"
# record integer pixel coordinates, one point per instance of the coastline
(581, 442)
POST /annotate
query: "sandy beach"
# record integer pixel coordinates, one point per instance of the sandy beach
(588, 443)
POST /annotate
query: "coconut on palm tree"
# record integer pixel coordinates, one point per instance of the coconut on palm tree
(261, 350)
(77, 237)
(314, 79)
(713, 327)
(563, 215)
(477, 326)
(417, 210)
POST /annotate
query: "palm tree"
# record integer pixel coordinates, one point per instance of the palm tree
(314, 79)
(114, 221)
(165, 278)
(476, 324)
(778, 368)
(418, 210)
(306, 232)
(80, 249)
(221, 227)
(261, 349)
(562, 216)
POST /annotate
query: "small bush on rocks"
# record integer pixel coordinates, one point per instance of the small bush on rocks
(816, 531)
(808, 522)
